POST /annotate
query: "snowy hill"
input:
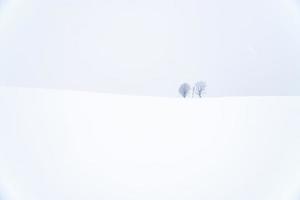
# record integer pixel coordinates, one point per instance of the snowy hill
(67, 145)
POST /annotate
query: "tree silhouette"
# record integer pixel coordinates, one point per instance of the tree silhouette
(184, 89)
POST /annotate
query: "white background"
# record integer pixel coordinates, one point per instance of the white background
(149, 47)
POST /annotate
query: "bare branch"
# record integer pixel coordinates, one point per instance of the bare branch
(199, 88)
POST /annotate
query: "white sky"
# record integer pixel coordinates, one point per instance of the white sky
(150, 47)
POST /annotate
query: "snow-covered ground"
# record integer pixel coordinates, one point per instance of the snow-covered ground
(68, 145)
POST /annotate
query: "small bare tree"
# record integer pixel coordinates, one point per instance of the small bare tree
(199, 88)
(184, 89)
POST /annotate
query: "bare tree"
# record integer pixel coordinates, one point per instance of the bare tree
(199, 88)
(184, 89)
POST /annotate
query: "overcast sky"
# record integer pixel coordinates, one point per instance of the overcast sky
(145, 47)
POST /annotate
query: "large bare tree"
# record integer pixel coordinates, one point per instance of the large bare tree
(199, 88)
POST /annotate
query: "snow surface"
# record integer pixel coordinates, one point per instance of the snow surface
(68, 145)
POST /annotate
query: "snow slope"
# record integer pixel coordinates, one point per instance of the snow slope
(67, 145)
